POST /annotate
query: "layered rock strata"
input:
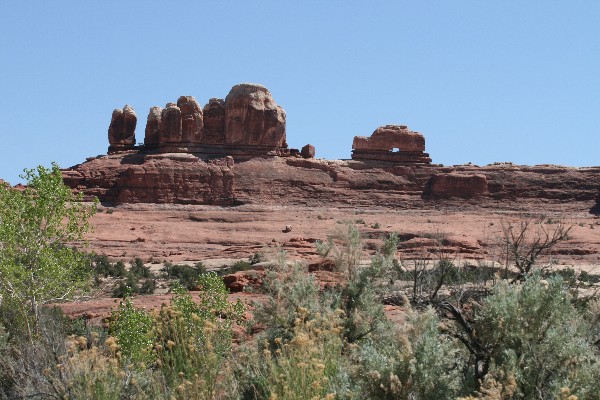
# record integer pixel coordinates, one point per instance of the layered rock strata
(391, 143)
(154, 178)
(184, 178)
(455, 185)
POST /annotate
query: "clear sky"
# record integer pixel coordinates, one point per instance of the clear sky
(484, 81)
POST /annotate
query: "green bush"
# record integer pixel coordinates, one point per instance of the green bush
(186, 276)
(538, 341)
(194, 339)
(416, 362)
(103, 267)
(139, 270)
(132, 329)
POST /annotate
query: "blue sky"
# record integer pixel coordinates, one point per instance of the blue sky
(484, 81)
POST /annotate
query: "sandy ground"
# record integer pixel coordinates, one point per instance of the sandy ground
(220, 236)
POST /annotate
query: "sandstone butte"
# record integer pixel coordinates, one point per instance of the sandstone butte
(233, 151)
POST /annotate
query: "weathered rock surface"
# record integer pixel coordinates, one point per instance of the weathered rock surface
(153, 125)
(253, 118)
(392, 143)
(214, 121)
(183, 178)
(308, 151)
(247, 124)
(192, 124)
(162, 178)
(121, 131)
(170, 125)
(445, 186)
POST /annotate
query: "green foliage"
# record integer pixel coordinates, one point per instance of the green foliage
(132, 328)
(103, 266)
(194, 338)
(37, 266)
(186, 276)
(139, 270)
(416, 362)
(537, 339)
(345, 248)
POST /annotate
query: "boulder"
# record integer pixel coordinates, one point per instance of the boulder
(445, 186)
(153, 127)
(121, 132)
(214, 121)
(192, 124)
(308, 151)
(253, 118)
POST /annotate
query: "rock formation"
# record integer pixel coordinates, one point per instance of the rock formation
(392, 143)
(214, 121)
(248, 123)
(121, 132)
(253, 118)
(189, 153)
(170, 125)
(152, 137)
(154, 178)
(308, 151)
(192, 124)
(451, 185)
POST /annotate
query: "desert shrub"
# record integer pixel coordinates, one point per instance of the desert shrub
(344, 247)
(103, 267)
(186, 276)
(415, 362)
(132, 329)
(91, 370)
(360, 301)
(194, 338)
(308, 365)
(127, 287)
(27, 367)
(241, 265)
(538, 343)
(289, 289)
(148, 287)
(139, 270)
(257, 258)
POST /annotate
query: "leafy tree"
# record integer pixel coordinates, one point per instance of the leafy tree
(37, 224)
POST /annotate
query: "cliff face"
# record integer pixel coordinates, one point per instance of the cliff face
(163, 178)
(184, 178)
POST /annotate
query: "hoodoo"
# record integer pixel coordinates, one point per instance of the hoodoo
(248, 123)
(121, 132)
